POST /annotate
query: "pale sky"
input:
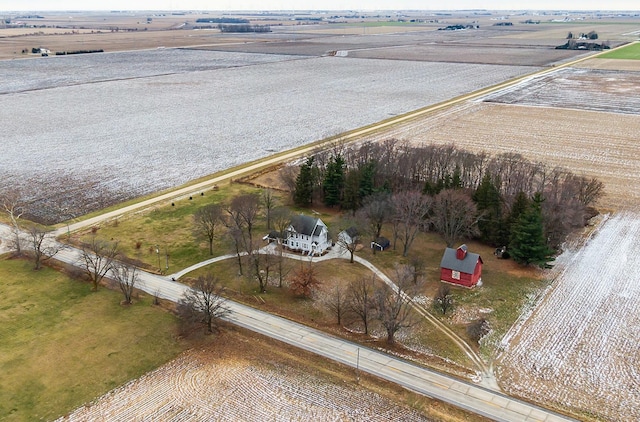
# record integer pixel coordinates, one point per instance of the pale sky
(43, 5)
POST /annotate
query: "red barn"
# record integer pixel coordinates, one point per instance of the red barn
(459, 266)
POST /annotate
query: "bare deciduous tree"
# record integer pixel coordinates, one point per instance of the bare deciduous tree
(289, 175)
(590, 190)
(282, 265)
(43, 247)
(97, 258)
(443, 301)
(262, 264)
(204, 303)
(334, 298)
(206, 220)
(360, 300)
(350, 238)
(417, 267)
(12, 204)
(376, 211)
(269, 201)
(127, 279)
(410, 211)
(393, 307)
(235, 234)
(454, 215)
(281, 219)
(243, 214)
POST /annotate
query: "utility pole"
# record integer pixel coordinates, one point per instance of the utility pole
(358, 366)
(158, 254)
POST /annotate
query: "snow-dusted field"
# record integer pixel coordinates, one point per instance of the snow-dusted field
(580, 347)
(101, 128)
(193, 388)
(612, 91)
(57, 71)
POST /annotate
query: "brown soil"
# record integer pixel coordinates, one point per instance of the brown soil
(220, 377)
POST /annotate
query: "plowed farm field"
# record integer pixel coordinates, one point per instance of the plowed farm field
(76, 139)
(585, 121)
(579, 348)
(202, 385)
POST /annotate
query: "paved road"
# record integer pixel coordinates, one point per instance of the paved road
(462, 394)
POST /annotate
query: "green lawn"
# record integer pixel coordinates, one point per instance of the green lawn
(62, 345)
(170, 231)
(505, 290)
(630, 52)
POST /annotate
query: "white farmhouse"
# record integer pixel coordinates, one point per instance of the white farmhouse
(308, 235)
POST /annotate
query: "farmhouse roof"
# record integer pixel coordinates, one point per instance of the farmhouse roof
(466, 265)
(306, 225)
(352, 232)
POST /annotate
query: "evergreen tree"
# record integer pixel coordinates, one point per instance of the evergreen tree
(519, 206)
(350, 193)
(489, 203)
(528, 244)
(367, 175)
(303, 194)
(333, 183)
(430, 188)
(456, 181)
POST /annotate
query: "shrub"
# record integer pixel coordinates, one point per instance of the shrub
(478, 329)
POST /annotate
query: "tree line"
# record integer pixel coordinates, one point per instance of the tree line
(243, 28)
(457, 193)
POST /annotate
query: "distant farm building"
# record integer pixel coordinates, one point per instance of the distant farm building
(461, 267)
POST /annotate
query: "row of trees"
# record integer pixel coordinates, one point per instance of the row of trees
(100, 259)
(243, 28)
(394, 166)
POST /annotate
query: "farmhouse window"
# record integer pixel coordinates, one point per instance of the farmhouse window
(455, 275)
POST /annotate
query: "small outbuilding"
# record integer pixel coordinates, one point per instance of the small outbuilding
(348, 236)
(380, 244)
(461, 267)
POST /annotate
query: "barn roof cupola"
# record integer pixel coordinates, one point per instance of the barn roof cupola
(461, 252)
